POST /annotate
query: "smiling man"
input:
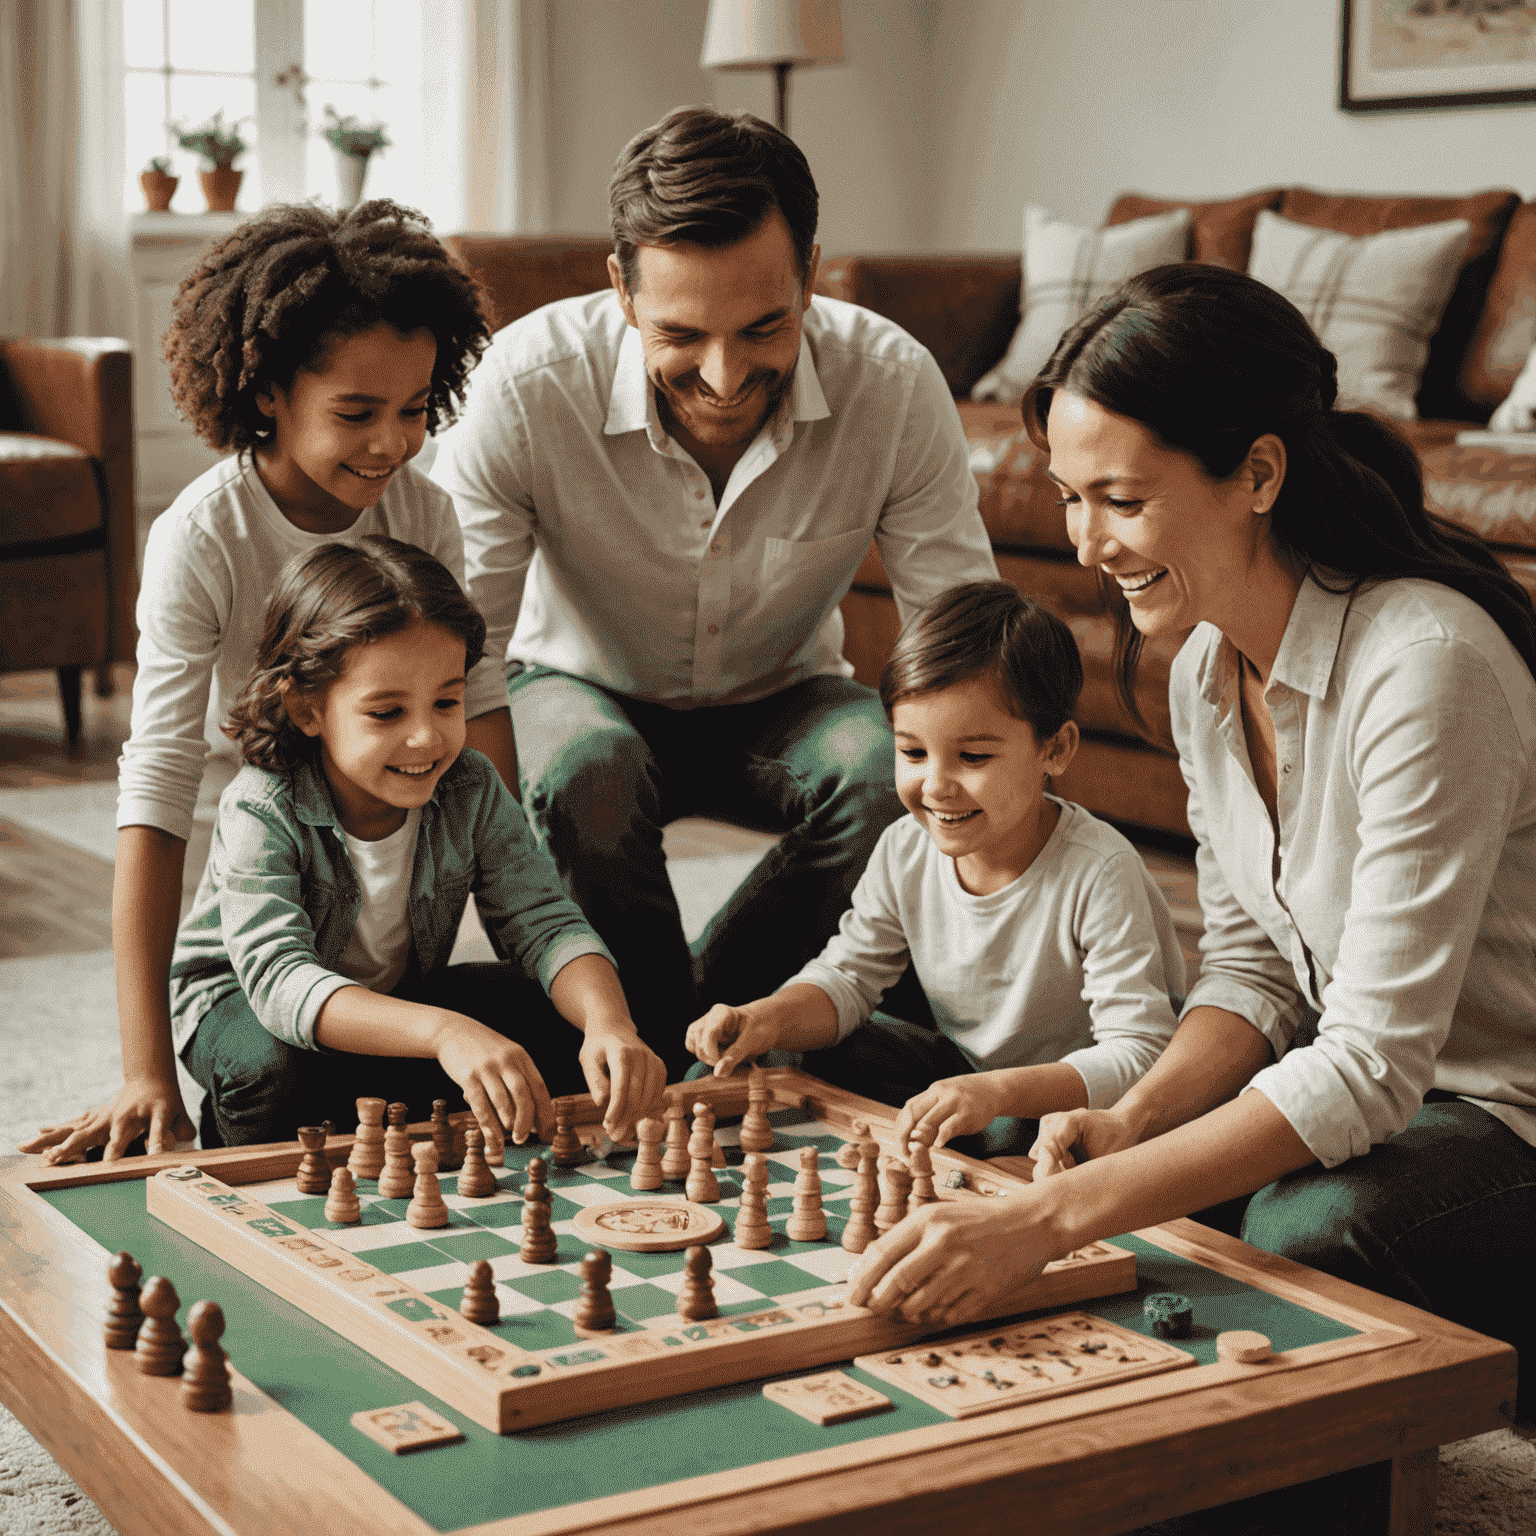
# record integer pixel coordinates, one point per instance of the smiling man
(665, 492)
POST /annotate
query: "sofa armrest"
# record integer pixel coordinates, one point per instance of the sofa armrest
(964, 308)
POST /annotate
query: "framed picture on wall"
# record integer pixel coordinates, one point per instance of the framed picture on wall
(1397, 54)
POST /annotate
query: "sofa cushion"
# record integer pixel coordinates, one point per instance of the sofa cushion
(1220, 233)
(1020, 506)
(1518, 411)
(1506, 333)
(47, 490)
(1440, 395)
(1487, 490)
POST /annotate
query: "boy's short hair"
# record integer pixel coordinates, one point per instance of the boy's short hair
(987, 629)
(709, 178)
(269, 298)
(326, 601)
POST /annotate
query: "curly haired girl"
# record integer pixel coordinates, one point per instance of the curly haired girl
(316, 349)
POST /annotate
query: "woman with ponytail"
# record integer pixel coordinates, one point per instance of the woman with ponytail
(1353, 1080)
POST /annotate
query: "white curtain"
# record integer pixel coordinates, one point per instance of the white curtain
(63, 234)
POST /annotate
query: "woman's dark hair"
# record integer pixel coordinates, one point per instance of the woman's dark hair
(1209, 361)
(710, 178)
(986, 629)
(326, 602)
(268, 299)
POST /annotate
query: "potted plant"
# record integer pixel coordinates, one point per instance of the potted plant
(158, 184)
(219, 145)
(351, 144)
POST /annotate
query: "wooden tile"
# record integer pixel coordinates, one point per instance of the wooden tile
(830, 1398)
(406, 1427)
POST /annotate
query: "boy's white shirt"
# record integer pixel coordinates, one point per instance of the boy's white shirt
(1073, 961)
(211, 563)
(379, 949)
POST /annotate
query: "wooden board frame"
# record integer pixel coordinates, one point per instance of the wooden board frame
(1131, 1455)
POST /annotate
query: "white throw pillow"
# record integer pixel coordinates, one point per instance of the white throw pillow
(1518, 412)
(1374, 300)
(1067, 270)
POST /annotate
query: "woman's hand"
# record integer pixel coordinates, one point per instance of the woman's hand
(952, 1262)
(1076, 1135)
(501, 1085)
(623, 1074)
(144, 1106)
(725, 1037)
(953, 1106)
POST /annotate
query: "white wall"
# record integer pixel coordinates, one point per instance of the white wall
(1068, 104)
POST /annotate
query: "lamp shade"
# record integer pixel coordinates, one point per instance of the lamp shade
(756, 34)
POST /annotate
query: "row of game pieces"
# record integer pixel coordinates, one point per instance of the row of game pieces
(144, 1320)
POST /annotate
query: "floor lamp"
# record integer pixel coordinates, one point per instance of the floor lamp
(772, 34)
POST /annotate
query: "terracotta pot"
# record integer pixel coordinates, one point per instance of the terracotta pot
(159, 189)
(220, 188)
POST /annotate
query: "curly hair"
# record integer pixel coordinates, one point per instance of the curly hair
(269, 298)
(327, 601)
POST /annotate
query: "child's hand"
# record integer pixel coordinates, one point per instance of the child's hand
(501, 1084)
(1076, 1135)
(624, 1074)
(725, 1037)
(143, 1106)
(953, 1106)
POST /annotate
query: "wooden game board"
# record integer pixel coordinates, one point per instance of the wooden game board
(1385, 1386)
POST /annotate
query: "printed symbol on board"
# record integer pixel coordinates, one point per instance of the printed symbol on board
(225, 1200)
(486, 1355)
(406, 1427)
(270, 1226)
(181, 1175)
(413, 1309)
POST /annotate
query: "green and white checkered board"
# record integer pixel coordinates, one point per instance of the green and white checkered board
(538, 1300)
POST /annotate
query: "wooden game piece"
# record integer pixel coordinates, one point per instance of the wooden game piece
(397, 1178)
(1243, 1346)
(479, 1303)
(160, 1345)
(566, 1150)
(367, 1156)
(696, 1300)
(595, 1313)
(1169, 1316)
(646, 1174)
(123, 1320)
(475, 1177)
(752, 1229)
(406, 1427)
(314, 1173)
(647, 1226)
(703, 1187)
(807, 1222)
(859, 1232)
(756, 1133)
(205, 1370)
(848, 1154)
(427, 1208)
(920, 1162)
(675, 1161)
(442, 1138)
(833, 1397)
(955, 1179)
(895, 1184)
(495, 1145)
(538, 1245)
(341, 1203)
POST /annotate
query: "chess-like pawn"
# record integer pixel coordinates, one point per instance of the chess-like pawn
(756, 1133)
(895, 1185)
(859, 1231)
(479, 1303)
(314, 1175)
(121, 1326)
(646, 1174)
(538, 1245)
(495, 1145)
(675, 1161)
(566, 1150)
(702, 1187)
(920, 1161)
(427, 1208)
(475, 1178)
(594, 1307)
(160, 1346)
(367, 1157)
(397, 1178)
(848, 1154)
(442, 1137)
(341, 1203)
(205, 1373)
(752, 1229)
(696, 1300)
(807, 1222)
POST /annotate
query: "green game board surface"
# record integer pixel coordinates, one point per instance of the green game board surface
(322, 1378)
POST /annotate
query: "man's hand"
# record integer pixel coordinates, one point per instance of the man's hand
(1075, 1135)
(953, 1106)
(725, 1037)
(624, 1075)
(143, 1106)
(501, 1085)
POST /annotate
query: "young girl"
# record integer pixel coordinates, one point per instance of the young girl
(313, 966)
(1046, 951)
(317, 349)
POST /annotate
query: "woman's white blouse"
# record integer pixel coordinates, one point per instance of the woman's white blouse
(1404, 911)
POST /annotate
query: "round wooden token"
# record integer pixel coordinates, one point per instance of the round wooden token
(1244, 1346)
(647, 1226)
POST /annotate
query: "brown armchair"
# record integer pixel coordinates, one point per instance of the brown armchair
(67, 558)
